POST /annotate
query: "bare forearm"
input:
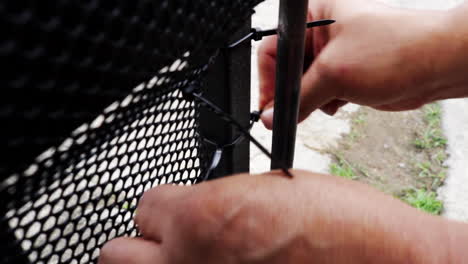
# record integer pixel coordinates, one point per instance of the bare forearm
(458, 241)
(399, 234)
(413, 237)
(390, 232)
(438, 240)
(453, 50)
(377, 228)
(434, 239)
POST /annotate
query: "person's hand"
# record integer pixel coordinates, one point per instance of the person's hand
(374, 55)
(274, 219)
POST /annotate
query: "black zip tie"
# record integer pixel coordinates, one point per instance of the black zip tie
(257, 34)
(190, 91)
(219, 152)
(254, 118)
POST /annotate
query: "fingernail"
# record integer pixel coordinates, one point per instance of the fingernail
(267, 118)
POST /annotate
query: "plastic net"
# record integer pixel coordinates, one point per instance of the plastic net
(92, 115)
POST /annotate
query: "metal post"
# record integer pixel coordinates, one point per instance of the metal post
(228, 85)
(289, 70)
(11, 250)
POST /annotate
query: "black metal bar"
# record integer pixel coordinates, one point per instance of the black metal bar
(11, 251)
(290, 61)
(239, 83)
(228, 86)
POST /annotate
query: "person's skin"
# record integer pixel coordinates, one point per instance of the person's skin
(270, 218)
(390, 59)
(387, 58)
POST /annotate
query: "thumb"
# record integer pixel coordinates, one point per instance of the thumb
(316, 91)
(267, 71)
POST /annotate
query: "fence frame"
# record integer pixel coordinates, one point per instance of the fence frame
(289, 70)
(228, 85)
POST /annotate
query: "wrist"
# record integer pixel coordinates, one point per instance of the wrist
(458, 239)
(386, 232)
(437, 48)
(413, 237)
(450, 40)
(431, 241)
(427, 239)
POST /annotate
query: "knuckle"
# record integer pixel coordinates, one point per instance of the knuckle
(145, 204)
(148, 197)
(242, 232)
(233, 218)
(157, 199)
(108, 251)
(222, 220)
(199, 210)
(202, 214)
(263, 48)
(105, 253)
(267, 47)
(337, 74)
(328, 69)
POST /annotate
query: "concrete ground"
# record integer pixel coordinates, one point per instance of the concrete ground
(321, 132)
(455, 192)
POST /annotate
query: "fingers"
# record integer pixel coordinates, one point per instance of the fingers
(267, 70)
(316, 92)
(267, 66)
(131, 251)
(333, 107)
(156, 210)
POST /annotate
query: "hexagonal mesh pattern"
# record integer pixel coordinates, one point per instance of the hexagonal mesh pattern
(79, 143)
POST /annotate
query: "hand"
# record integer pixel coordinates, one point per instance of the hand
(273, 219)
(374, 55)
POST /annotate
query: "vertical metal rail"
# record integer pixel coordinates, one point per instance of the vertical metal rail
(228, 85)
(11, 250)
(289, 70)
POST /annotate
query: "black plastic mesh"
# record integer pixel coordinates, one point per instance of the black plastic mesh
(79, 143)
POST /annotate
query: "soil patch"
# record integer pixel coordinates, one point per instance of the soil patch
(398, 153)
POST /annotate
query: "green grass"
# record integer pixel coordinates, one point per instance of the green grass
(432, 142)
(342, 168)
(432, 137)
(441, 157)
(129, 206)
(433, 114)
(126, 206)
(353, 135)
(360, 119)
(424, 200)
(425, 170)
